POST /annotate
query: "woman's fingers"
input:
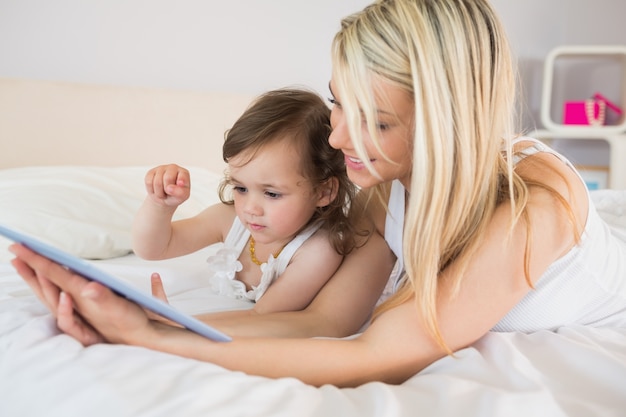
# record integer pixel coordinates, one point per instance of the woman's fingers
(47, 292)
(28, 275)
(117, 319)
(50, 293)
(73, 324)
(31, 263)
(112, 317)
(58, 302)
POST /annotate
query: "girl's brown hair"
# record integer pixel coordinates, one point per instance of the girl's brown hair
(302, 117)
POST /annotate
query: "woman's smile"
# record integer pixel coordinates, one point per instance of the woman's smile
(355, 163)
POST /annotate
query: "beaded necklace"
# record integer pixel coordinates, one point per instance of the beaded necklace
(253, 254)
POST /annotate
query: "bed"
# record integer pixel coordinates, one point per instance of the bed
(72, 162)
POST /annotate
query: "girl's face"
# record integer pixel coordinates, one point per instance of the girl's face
(395, 114)
(271, 197)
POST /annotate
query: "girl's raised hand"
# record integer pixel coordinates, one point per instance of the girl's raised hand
(168, 185)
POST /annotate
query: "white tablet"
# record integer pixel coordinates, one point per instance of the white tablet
(89, 271)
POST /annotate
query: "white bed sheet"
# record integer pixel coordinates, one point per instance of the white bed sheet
(575, 371)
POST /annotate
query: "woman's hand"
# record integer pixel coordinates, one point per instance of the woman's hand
(71, 323)
(85, 310)
(59, 303)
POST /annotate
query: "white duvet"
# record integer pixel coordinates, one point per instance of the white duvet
(575, 371)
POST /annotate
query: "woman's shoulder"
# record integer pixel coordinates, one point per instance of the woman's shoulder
(556, 191)
(545, 168)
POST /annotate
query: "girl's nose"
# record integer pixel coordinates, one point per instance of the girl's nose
(252, 206)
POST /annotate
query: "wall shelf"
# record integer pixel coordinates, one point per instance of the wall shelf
(614, 135)
(617, 145)
(617, 52)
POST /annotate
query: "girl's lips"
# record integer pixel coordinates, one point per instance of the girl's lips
(255, 226)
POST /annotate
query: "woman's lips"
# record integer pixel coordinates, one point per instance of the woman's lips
(354, 163)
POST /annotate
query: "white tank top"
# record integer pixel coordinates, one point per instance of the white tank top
(585, 286)
(224, 265)
(394, 226)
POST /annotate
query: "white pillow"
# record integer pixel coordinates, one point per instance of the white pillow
(86, 211)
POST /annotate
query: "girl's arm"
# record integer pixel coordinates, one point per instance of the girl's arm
(154, 234)
(308, 270)
(167, 186)
(168, 240)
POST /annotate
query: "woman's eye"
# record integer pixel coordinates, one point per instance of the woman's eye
(381, 126)
(334, 102)
(239, 189)
(272, 195)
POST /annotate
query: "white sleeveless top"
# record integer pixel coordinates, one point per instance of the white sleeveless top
(225, 264)
(394, 226)
(585, 286)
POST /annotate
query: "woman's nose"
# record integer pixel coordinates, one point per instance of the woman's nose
(339, 137)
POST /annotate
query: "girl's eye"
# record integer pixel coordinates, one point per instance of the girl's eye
(239, 189)
(272, 195)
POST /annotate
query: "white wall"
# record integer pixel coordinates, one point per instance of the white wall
(536, 27)
(243, 45)
(247, 45)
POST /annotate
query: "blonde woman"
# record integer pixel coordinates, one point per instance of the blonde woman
(488, 232)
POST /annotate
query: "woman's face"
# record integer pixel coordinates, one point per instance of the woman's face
(395, 113)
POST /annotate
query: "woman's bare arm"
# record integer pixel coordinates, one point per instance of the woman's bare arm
(341, 307)
(393, 348)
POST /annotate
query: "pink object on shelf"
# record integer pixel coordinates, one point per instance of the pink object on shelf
(591, 112)
(608, 103)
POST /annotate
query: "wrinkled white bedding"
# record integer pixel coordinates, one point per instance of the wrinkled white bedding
(575, 371)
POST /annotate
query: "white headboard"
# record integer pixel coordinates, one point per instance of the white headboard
(56, 123)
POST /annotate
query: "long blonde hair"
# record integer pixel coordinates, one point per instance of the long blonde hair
(453, 58)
